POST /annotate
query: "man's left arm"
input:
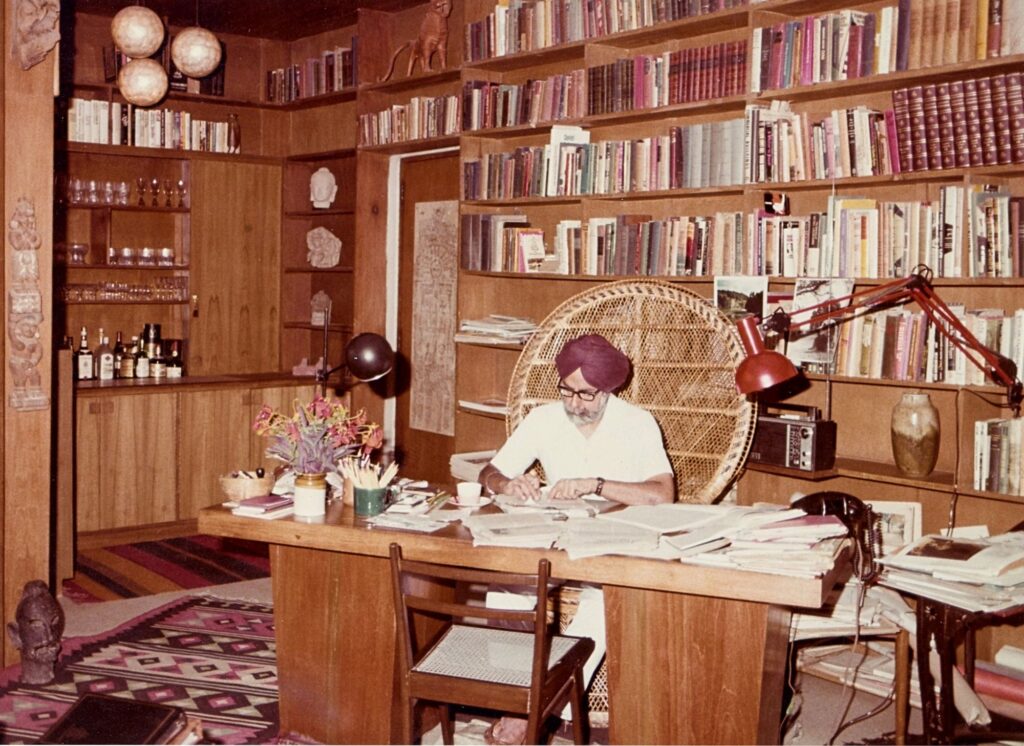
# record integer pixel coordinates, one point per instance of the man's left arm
(658, 489)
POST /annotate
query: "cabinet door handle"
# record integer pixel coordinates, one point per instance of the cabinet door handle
(195, 306)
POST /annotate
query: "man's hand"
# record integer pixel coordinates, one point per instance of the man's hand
(525, 486)
(572, 489)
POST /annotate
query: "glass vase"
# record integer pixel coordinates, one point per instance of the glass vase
(915, 435)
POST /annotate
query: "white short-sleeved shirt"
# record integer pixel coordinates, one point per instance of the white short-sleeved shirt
(626, 446)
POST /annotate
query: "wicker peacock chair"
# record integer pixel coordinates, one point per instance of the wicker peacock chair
(684, 356)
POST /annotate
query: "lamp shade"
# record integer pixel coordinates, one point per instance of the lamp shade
(368, 356)
(137, 31)
(196, 52)
(143, 82)
(761, 369)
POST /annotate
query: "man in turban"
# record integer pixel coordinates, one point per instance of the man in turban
(590, 443)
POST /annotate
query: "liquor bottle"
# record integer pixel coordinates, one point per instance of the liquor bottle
(157, 364)
(118, 355)
(141, 362)
(127, 367)
(104, 359)
(84, 358)
(174, 367)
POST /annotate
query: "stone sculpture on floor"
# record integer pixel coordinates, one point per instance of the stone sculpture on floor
(37, 632)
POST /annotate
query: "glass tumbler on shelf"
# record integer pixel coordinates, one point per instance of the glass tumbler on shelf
(140, 185)
(121, 196)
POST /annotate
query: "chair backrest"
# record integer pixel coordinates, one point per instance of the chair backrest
(684, 354)
(415, 586)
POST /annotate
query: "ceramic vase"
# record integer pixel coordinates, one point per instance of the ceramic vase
(915, 435)
(310, 495)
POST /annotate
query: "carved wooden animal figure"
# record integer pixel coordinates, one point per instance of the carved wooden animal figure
(433, 38)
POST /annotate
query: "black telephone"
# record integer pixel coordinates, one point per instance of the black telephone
(860, 521)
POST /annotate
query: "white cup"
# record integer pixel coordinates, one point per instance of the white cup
(468, 492)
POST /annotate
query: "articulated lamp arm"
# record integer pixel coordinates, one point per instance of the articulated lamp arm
(763, 369)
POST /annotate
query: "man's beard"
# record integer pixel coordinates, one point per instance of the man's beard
(589, 417)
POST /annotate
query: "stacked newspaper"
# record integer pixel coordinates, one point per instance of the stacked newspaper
(495, 329)
(982, 574)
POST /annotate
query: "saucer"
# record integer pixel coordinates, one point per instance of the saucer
(481, 503)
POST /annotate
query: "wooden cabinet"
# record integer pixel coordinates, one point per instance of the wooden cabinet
(122, 252)
(236, 233)
(126, 469)
(215, 431)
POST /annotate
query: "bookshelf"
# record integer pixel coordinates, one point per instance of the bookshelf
(787, 105)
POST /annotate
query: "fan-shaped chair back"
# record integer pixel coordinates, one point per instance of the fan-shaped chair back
(684, 354)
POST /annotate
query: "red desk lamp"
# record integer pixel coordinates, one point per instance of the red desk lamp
(762, 369)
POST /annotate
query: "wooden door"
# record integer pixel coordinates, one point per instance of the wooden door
(235, 246)
(214, 431)
(127, 461)
(422, 454)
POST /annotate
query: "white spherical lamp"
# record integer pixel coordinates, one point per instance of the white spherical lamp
(143, 81)
(137, 31)
(196, 52)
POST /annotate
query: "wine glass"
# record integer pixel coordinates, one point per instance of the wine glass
(167, 193)
(182, 192)
(154, 190)
(141, 182)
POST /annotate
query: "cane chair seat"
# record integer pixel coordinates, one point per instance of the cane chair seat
(450, 655)
(684, 354)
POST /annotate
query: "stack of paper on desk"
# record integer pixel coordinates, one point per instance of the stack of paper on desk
(585, 537)
(998, 560)
(558, 508)
(970, 596)
(534, 530)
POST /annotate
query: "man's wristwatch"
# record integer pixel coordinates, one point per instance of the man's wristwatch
(600, 486)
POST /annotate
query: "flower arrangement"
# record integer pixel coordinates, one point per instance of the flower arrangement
(317, 435)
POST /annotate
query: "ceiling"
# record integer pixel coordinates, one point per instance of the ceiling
(269, 19)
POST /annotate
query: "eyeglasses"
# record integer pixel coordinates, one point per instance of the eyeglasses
(567, 393)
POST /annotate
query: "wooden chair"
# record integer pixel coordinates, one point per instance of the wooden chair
(465, 662)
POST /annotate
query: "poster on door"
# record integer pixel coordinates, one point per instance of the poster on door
(432, 391)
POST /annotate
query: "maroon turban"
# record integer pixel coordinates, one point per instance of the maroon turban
(604, 366)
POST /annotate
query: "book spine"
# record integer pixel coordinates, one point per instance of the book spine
(918, 128)
(1015, 100)
(971, 106)
(961, 147)
(904, 129)
(933, 143)
(947, 143)
(986, 114)
(1001, 120)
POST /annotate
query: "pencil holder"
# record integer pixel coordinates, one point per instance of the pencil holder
(369, 500)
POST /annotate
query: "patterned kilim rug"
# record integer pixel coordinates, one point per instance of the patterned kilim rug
(214, 658)
(148, 567)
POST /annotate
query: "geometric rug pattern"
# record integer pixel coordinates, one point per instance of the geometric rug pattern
(148, 567)
(213, 658)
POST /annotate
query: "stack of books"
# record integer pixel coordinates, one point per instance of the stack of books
(265, 506)
(496, 329)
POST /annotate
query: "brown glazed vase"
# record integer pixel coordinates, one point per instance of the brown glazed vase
(915, 435)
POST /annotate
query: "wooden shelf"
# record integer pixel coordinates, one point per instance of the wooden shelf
(333, 328)
(123, 302)
(133, 151)
(126, 267)
(307, 270)
(411, 146)
(407, 84)
(125, 208)
(312, 102)
(319, 213)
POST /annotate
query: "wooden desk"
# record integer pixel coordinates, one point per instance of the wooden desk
(695, 655)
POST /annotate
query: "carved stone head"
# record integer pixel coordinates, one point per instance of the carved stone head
(36, 632)
(323, 187)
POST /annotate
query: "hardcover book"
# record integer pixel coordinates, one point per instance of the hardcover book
(97, 718)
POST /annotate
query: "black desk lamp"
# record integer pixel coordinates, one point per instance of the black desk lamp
(368, 356)
(763, 369)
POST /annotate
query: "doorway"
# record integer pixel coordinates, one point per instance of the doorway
(422, 454)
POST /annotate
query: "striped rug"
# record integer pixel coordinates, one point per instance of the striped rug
(148, 567)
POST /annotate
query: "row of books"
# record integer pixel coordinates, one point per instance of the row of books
(526, 25)
(821, 49)
(998, 455)
(421, 117)
(904, 345)
(692, 156)
(945, 32)
(115, 123)
(960, 123)
(652, 80)
(334, 70)
(486, 105)
(855, 237)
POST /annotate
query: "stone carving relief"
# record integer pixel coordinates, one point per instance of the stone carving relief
(35, 30)
(324, 248)
(25, 310)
